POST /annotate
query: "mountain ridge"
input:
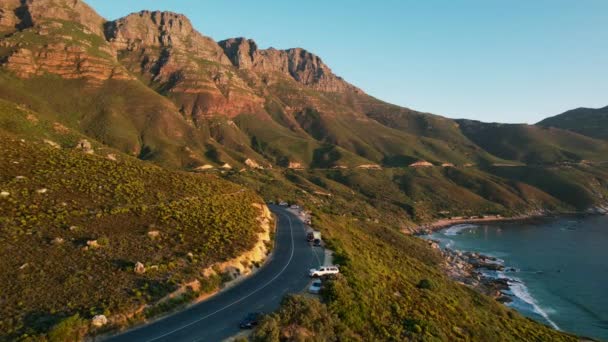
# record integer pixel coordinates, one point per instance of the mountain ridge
(233, 102)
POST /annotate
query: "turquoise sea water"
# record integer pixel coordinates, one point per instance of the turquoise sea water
(561, 276)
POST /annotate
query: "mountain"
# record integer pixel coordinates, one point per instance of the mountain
(533, 144)
(150, 88)
(74, 222)
(587, 121)
(162, 91)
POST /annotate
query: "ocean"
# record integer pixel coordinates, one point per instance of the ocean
(561, 267)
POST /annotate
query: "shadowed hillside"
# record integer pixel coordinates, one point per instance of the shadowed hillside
(587, 121)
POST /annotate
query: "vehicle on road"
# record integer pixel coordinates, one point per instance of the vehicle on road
(323, 271)
(317, 242)
(295, 206)
(251, 320)
(283, 204)
(315, 287)
(313, 235)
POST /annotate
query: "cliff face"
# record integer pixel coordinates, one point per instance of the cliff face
(60, 37)
(164, 30)
(192, 102)
(8, 15)
(299, 64)
(35, 12)
(192, 69)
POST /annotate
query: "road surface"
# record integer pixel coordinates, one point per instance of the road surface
(218, 317)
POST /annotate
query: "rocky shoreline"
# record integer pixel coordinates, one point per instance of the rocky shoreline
(470, 269)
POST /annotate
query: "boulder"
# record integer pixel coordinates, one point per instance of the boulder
(85, 146)
(58, 241)
(252, 164)
(4, 194)
(139, 268)
(153, 234)
(99, 321)
(93, 244)
(51, 143)
(42, 191)
(112, 157)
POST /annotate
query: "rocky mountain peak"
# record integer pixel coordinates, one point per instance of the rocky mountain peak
(300, 64)
(150, 28)
(240, 51)
(27, 13)
(167, 30)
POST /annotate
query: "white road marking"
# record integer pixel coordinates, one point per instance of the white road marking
(242, 298)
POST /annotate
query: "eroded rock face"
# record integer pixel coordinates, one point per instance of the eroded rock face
(303, 66)
(33, 12)
(164, 48)
(8, 17)
(60, 37)
(65, 60)
(162, 30)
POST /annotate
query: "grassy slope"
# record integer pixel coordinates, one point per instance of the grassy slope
(586, 121)
(115, 203)
(378, 298)
(533, 144)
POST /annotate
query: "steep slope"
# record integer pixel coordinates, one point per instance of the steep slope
(586, 121)
(74, 223)
(58, 63)
(163, 91)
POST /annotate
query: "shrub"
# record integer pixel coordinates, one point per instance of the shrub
(72, 328)
(426, 284)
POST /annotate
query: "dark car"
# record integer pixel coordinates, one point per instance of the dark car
(251, 320)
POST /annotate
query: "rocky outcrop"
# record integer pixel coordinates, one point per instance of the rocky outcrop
(421, 163)
(8, 16)
(99, 321)
(299, 64)
(369, 167)
(165, 49)
(246, 262)
(253, 164)
(85, 146)
(35, 12)
(68, 61)
(139, 268)
(162, 30)
(49, 45)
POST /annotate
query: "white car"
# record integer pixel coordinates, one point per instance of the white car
(283, 204)
(295, 206)
(323, 271)
(315, 287)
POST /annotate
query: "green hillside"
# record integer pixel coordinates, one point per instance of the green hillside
(378, 296)
(74, 224)
(586, 121)
(533, 144)
(156, 99)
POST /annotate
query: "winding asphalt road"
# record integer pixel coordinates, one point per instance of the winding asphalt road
(218, 317)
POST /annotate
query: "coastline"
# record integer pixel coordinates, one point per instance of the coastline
(431, 227)
(488, 274)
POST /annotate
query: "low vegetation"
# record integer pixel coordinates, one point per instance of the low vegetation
(74, 225)
(392, 288)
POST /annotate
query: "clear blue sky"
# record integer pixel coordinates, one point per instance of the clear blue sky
(492, 60)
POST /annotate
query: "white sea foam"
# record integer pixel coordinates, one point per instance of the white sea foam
(520, 290)
(455, 230)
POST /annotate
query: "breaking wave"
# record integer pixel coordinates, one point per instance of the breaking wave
(457, 229)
